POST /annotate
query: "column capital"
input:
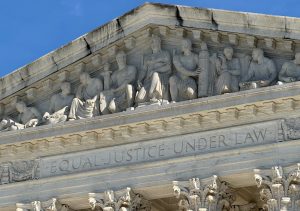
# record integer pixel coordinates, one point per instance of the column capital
(121, 200)
(279, 187)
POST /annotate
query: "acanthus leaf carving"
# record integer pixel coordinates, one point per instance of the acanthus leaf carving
(50, 205)
(207, 194)
(279, 189)
(124, 200)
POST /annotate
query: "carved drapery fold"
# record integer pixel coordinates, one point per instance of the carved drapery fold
(279, 188)
(123, 200)
(50, 205)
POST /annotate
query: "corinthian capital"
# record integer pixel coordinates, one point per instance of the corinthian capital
(207, 194)
(122, 200)
(50, 205)
(279, 187)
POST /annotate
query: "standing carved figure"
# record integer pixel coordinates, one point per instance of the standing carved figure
(28, 117)
(183, 85)
(290, 71)
(228, 72)
(59, 105)
(84, 105)
(262, 71)
(153, 82)
(121, 93)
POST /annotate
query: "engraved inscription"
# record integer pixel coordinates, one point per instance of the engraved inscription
(166, 148)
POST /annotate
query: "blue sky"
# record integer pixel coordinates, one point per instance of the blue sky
(32, 28)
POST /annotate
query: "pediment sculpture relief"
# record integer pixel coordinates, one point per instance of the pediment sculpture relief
(153, 80)
(85, 105)
(27, 117)
(121, 92)
(290, 70)
(59, 105)
(163, 77)
(261, 73)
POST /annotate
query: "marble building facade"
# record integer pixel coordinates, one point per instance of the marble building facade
(164, 108)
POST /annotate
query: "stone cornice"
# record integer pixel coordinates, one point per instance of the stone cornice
(276, 102)
(274, 27)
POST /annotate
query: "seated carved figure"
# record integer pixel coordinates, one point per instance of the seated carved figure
(28, 117)
(84, 105)
(290, 71)
(121, 93)
(228, 72)
(59, 105)
(153, 82)
(262, 71)
(183, 85)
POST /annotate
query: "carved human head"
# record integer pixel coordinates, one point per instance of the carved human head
(84, 78)
(65, 88)
(186, 44)
(155, 43)
(297, 58)
(21, 106)
(257, 54)
(228, 52)
(121, 59)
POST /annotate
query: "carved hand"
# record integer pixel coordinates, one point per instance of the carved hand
(197, 72)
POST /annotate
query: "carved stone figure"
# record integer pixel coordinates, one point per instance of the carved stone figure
(59, 105)
(153, 82)
(121, 94)
(290, 71)
(228, 72)
(183, 85)
(28, 117)
(84, 105)
(262, 71)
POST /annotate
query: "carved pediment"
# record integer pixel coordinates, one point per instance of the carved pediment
(161, 62)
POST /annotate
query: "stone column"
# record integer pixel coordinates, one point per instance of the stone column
(122, 200)
(279, 188)
(50, 205)
(206, 195)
